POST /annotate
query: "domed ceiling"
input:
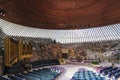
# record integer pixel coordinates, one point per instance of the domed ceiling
(61, 14)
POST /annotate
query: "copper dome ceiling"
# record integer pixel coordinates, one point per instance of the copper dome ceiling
(61, 14)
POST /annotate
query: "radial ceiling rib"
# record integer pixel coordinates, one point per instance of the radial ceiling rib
(110, 32)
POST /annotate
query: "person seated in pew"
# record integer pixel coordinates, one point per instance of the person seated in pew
(113, 65)
(28, 66)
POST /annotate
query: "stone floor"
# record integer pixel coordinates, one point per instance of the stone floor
(72, 68)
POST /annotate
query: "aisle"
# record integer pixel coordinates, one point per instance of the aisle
(70, 70)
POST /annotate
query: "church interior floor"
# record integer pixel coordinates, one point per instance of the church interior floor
(72, 68)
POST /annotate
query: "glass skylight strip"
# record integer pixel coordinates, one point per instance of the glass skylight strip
(111, 32)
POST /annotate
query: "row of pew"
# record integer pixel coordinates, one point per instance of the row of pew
(110, 72)
(50, 73)
(41, 63)
(83, 74)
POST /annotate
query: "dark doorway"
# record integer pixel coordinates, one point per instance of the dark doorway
(65, 55)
